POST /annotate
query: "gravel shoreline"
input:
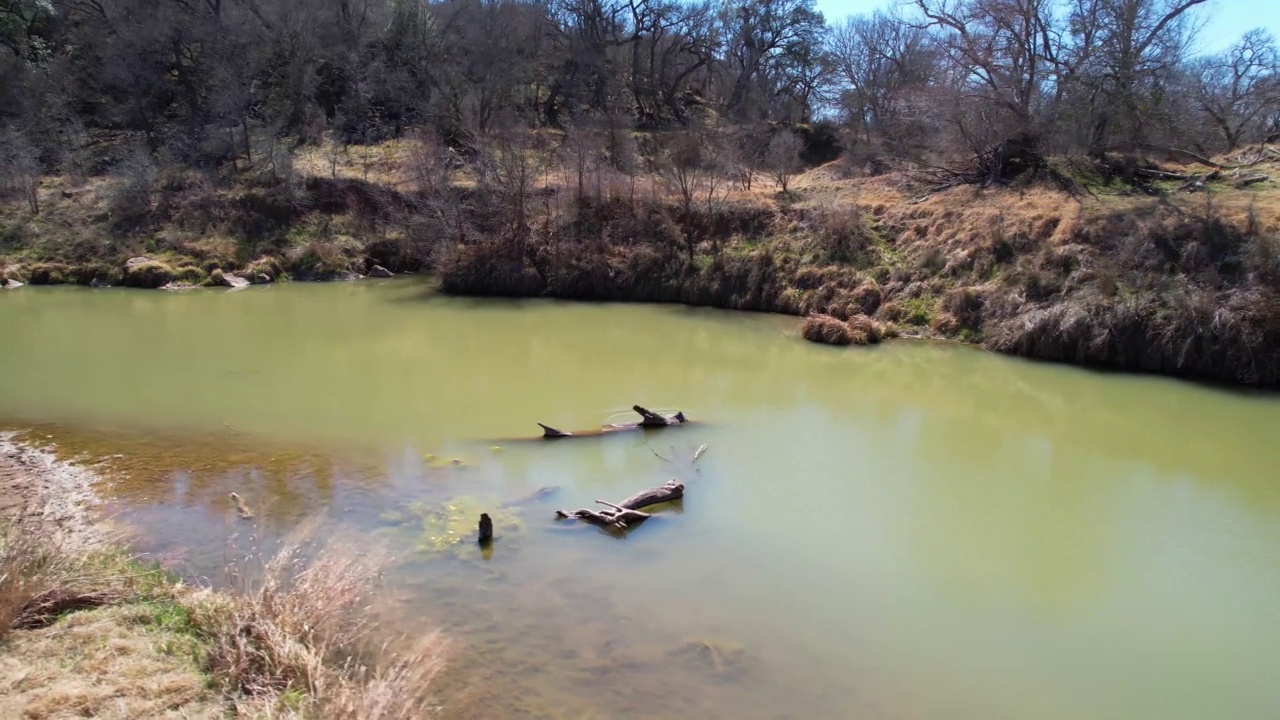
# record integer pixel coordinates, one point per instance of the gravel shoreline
(37, 488)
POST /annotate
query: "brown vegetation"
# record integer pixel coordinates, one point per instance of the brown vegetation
(302, 627)
(826, 330)
(148, 274)
(297, 643)
(857, 330)
(86, 629)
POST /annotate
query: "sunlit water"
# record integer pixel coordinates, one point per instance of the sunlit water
(908, 531)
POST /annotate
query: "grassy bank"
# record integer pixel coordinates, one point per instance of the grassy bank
(1076, 264)
(90, 631)
(1184, 284)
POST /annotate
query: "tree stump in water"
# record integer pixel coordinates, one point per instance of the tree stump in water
(626, 513)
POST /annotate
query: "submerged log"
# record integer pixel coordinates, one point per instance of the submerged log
(550, 432)
(626, 513)
(533, 497)
(648, 419)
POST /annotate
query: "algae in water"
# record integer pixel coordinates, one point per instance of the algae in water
(452, 524)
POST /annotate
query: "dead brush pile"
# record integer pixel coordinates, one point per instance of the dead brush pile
(302, 631)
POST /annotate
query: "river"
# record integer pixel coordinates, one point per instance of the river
(913, 530)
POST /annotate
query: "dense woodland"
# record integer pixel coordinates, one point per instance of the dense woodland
(922, 82)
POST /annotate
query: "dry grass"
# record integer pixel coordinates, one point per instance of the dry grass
(87, 632)
(298, 640)
(118, 662)
(90, 632)
(865, 331)
(150, 274)
(826, 330)
(45, 573)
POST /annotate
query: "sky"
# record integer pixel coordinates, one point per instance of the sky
(1224, 20)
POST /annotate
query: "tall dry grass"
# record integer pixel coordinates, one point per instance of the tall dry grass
(295, 638)
(45, 573)
(292, 638)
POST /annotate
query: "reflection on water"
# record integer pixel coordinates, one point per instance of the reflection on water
(906, 531)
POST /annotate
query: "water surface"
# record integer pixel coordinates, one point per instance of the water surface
(907, 531)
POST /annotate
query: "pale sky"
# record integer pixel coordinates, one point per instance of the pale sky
(1224, 20)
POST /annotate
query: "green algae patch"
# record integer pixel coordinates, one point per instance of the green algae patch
(451, 525)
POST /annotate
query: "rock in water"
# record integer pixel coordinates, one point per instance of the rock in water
(377, 271)
(486, 528)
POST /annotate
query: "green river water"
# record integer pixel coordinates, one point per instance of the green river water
(906, 531)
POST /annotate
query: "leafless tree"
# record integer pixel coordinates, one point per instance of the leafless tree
(508, 170)
(783, 158)
(20, 167)
(1238, 89)
(881, 60)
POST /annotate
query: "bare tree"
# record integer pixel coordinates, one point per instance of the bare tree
(881, 59)
(1239, 88)
(1118, 55)
(509, 166)
(783, 158)
(20, 167)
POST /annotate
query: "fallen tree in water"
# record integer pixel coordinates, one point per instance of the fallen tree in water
(626, 513)
(648, 419)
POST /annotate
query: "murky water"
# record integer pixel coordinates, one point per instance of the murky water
(909, 531)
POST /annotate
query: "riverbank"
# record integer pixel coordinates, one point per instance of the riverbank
(1081, 266)
(90, 630)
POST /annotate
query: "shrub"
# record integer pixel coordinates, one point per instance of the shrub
(319, 260)
(966, 305)
(843, 232)
(50, 274)
(267, 265)
(865, 329)
(826, 330)
(867, 298)
(101, 273)
(148, 274)
(189, 275)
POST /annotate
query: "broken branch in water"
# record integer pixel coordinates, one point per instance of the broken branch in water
(627, 512)
(655, 452)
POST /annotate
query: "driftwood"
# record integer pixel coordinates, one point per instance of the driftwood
(241, 508)
(626, 513)
(648, 419)
(1252, 180)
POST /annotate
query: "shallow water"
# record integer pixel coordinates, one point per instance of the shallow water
(908, 531)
